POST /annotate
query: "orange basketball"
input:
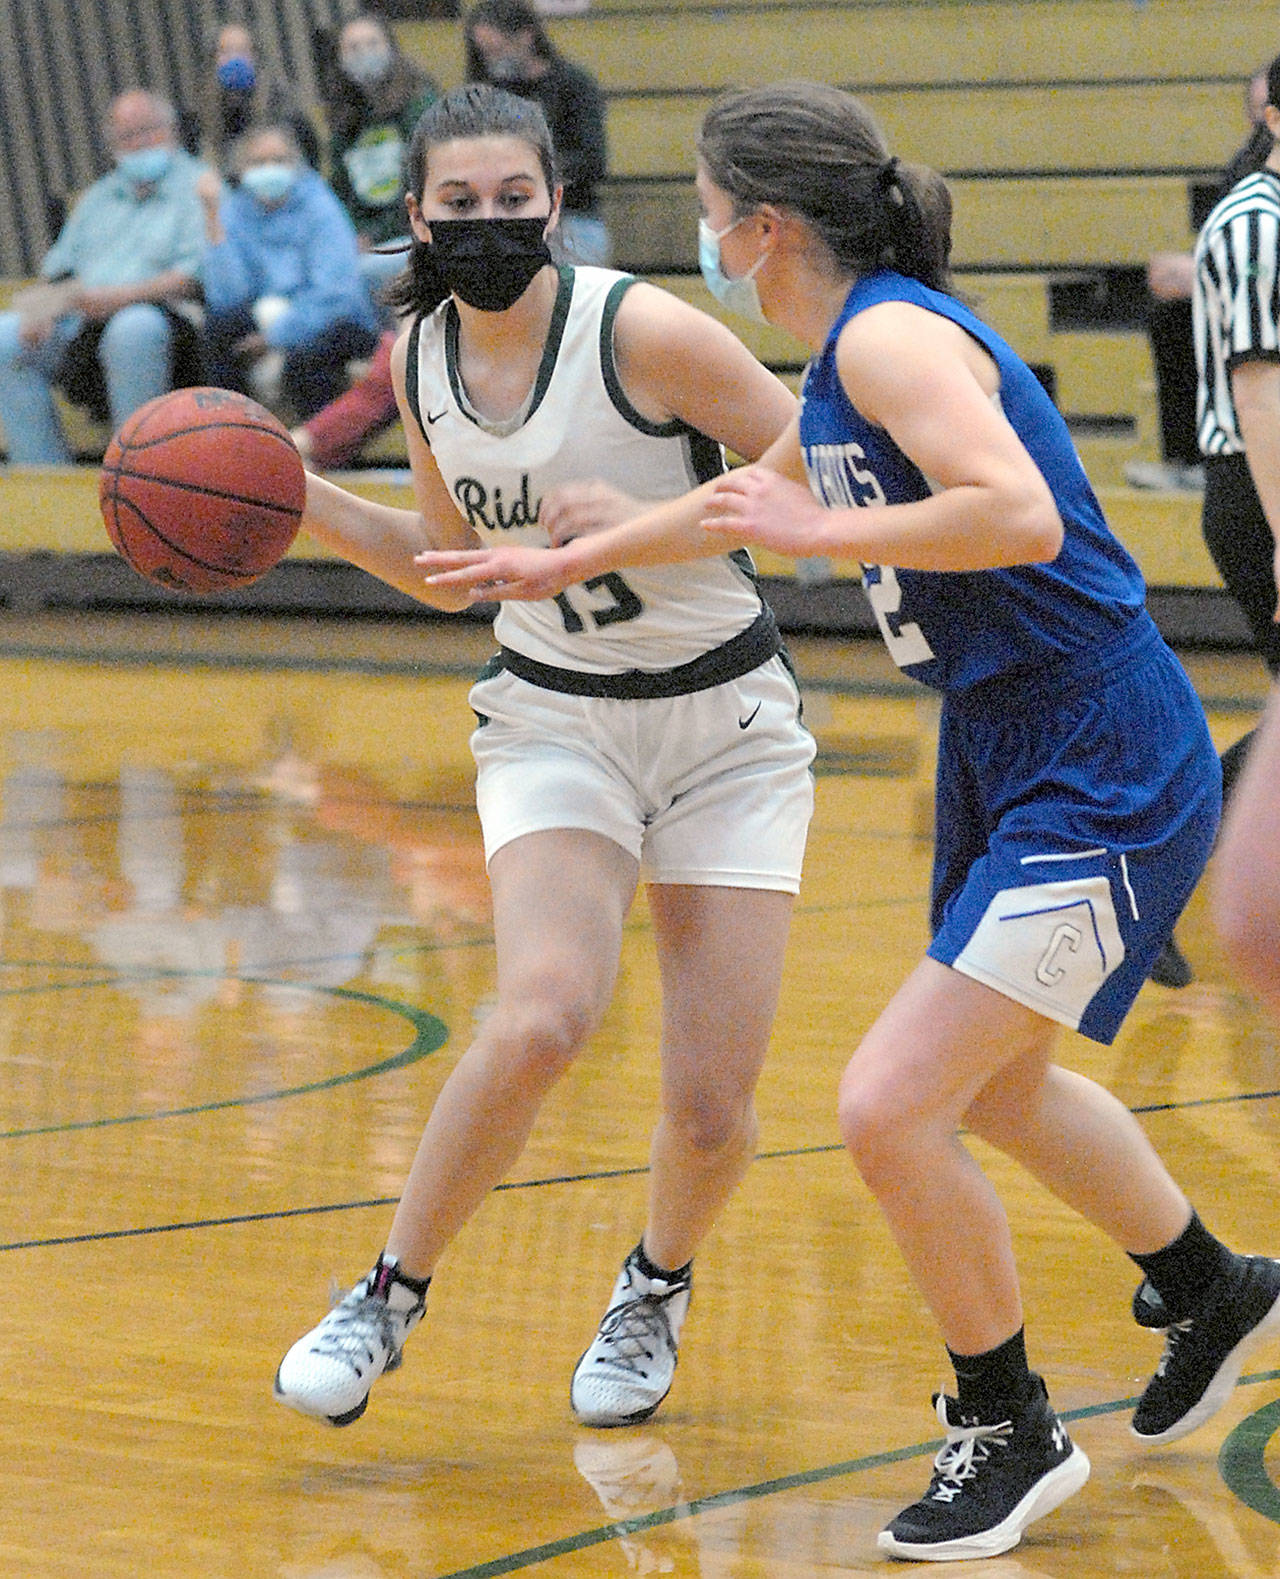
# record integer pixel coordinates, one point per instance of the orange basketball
(202, 490)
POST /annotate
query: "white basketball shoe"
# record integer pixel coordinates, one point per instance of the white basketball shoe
(328, 1374)
(628, 1370)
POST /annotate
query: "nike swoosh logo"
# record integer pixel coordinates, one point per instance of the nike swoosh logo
(435, 416)
(745, 723)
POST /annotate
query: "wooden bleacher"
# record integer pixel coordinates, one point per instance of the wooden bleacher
(1071, 132)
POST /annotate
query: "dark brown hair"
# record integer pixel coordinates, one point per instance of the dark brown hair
(508, 17)
(348, 106)
(817, 151)
(474, 110)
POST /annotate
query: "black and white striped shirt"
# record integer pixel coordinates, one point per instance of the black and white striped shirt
(1236, 302)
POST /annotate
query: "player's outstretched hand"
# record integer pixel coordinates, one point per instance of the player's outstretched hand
(576, 508)
(756, 505)
(523, 574)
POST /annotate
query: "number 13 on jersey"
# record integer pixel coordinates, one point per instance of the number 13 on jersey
(622, 604)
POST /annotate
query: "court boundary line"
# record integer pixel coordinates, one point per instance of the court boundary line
(1247, 1443)
(281, 1214)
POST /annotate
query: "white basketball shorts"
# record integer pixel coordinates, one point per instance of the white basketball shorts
(712, 788)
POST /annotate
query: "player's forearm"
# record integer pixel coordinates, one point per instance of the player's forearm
(663, 534)
(375, 537)
(957, 529)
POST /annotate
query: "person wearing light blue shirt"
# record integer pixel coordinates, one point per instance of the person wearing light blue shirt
(281, 272)
(115, 290)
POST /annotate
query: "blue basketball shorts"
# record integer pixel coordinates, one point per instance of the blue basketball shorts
(1074, 817)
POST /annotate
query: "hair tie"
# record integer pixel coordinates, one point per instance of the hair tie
(888, 180)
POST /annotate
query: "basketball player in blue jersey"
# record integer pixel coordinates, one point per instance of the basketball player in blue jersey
(645, 725)
(1077, 795)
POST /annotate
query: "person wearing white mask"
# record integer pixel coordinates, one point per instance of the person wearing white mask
(281, 274)
(106, 322)
(374, 100)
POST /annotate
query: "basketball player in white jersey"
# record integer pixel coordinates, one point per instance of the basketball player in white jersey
(644, 725)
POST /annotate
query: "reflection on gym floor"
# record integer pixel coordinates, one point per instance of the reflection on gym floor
(246, 931)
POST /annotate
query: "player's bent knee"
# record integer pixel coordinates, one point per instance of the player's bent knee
(540, 1036)
(711, 1125)
(872, 1128)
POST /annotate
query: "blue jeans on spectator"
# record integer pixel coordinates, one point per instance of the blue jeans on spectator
(136, 352)
(313, 374)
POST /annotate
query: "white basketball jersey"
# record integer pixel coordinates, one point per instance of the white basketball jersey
(579, 425)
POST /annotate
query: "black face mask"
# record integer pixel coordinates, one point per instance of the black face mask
(489, 263)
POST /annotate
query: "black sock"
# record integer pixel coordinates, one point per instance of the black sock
(1185, 1269)
(993, 1385)
(1233, 760)
(652, 1270)
(415, 1285)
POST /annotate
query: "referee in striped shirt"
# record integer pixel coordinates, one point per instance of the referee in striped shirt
(1236, 318)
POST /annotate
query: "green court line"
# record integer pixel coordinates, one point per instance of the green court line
(430, 1034)
(1245, 1455)
(1242, 1461)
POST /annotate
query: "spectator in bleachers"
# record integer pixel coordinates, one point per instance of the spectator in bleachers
(335, 435)
(1169, 280)
(110, 322)
(508, 45)
(373, 97)
(238, 94)
(281, 274)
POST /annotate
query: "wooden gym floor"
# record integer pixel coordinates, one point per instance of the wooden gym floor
(245, 933)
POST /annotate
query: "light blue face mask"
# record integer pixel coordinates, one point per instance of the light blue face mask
(269, 183)
(738, 295)
(142, 166)
(367, 67)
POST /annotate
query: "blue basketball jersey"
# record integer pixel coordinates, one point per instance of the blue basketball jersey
(953, 629)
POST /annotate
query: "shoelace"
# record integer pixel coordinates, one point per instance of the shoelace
(963, 1454)
(636, 1323)
(353, 1325)
(1173, 1336)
